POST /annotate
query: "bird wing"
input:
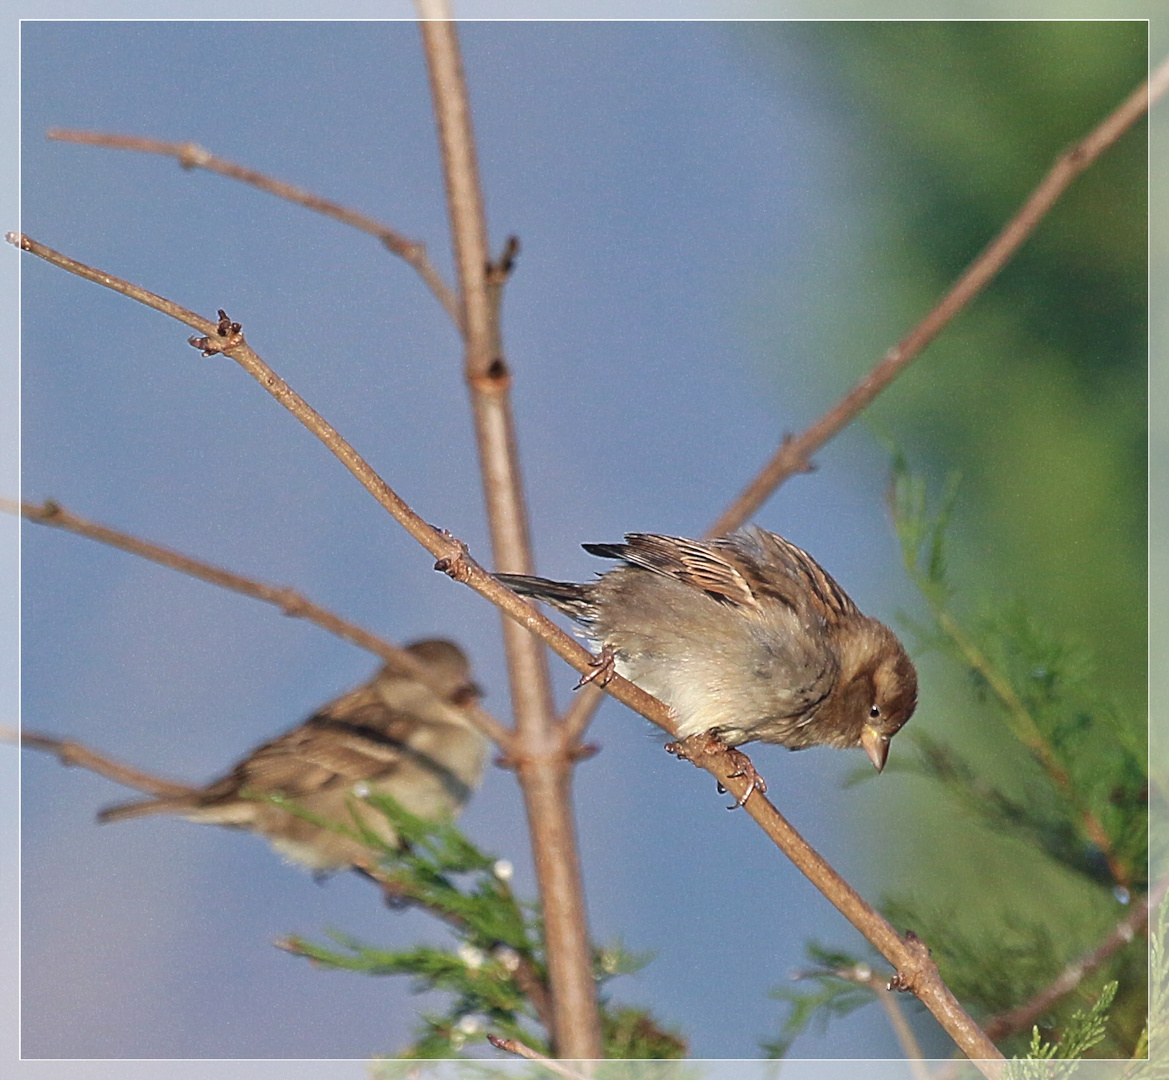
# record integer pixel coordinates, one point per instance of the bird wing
(775, 568)
(357, 737)
(698, 563)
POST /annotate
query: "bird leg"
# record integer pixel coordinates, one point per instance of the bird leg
(603, 669)
(709, 742)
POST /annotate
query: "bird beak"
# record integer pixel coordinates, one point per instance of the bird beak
(876, 746)
(466, 694)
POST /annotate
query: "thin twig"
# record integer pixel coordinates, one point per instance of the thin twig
(1023, 1017)
(514, 1046)
(543, 765)
(451, 554)
(71, 753)
(290, 602)
(863, 975)
(916, 971)
(577, 716)
(794, 454)
(903, 1032)
(191, 156)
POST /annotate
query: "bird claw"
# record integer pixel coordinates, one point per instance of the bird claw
(603, 669)
(707, 742)
(744, 767)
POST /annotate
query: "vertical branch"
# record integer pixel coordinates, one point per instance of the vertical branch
(542, 764)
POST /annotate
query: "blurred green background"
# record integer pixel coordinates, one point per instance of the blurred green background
(1037, 395)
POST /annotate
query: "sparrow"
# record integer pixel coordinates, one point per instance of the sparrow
(745, 637)
(393, 735)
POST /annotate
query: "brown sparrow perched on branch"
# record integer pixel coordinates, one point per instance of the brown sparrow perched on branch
(745, 637)
(392, 736)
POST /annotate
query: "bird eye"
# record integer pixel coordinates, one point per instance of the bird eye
(874, 712)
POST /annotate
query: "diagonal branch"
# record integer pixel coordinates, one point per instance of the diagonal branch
(1021, 1018)
(289, 601)
(451, 554)
(73, 753)
(794, 454)
(910, 957)
(543, 767)
(191, 156)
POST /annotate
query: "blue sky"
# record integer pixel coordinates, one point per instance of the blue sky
(688, 213)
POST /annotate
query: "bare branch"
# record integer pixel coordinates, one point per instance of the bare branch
(71, 753)
(577, 716)
(514, 1046)
(289, 601)
(543, 767)
(191, 156)
(1023, 1017)
(451, 554)
(794, 454)
(916, 971)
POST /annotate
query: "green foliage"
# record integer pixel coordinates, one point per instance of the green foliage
(990, 965)
(1078, 801)
(495, 974)
(1087, 806)
(1038, 391)
(1035, 816)
(833, 994)
(1150, 1060)
(1084, 1030)
(922, 536)
(630, 1033)
(1080, 804)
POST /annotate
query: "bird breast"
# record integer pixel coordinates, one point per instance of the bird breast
(718, 666)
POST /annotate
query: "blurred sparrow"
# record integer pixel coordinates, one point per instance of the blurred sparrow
(393, 736)
(744, 637)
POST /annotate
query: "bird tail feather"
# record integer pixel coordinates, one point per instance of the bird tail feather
(144, 808)
(565, 596)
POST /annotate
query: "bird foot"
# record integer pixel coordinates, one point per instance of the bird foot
(603, 666)
(707, 742)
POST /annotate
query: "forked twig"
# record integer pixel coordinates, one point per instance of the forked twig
(795, 452)
(191, 156)
(526, 977)
(73, 753)
(863, 975)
